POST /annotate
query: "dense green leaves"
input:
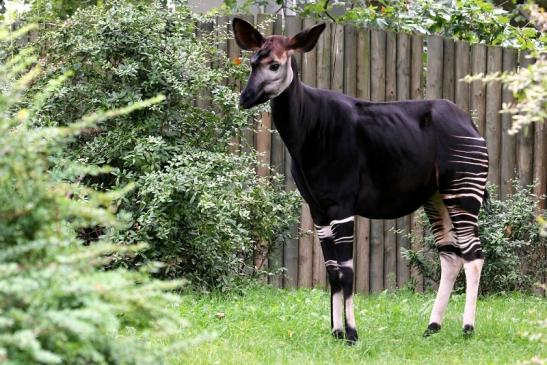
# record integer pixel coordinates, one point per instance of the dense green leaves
(57, 304)
(202, 209)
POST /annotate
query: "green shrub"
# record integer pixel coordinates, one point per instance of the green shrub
(57, 304)
(514, 250)
(201, 208)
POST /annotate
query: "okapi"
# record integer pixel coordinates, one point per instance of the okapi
(379, 160)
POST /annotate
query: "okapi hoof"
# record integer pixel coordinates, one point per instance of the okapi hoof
(338, 334)
(432, 328)
(468, 331)
(351, 336)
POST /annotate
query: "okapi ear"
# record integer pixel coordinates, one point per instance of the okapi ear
(247, 37)
(306, 40)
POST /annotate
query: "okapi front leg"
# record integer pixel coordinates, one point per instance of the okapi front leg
(343, 242)
(336, 297)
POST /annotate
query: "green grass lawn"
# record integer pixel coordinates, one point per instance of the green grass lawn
(273, 326)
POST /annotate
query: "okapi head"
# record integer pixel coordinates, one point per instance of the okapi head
(271, 66)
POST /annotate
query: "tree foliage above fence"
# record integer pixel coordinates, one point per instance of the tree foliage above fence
(475, 21)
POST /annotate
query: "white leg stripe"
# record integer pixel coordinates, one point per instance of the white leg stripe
(331, 263)
(324, 231)
(348, 219)
(348, 263)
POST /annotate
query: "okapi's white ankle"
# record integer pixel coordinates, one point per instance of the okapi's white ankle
(350, 315)
(472, 279)
(337, 311)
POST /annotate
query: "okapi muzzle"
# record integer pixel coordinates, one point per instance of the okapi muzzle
(253, 94)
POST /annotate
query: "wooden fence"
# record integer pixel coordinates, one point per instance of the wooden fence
(381, 66)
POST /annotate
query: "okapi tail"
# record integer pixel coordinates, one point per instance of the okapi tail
(486, 203)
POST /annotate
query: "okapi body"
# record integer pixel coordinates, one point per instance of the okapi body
(377, 160)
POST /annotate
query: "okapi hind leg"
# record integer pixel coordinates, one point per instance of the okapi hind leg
(449, 255)
(463, 193)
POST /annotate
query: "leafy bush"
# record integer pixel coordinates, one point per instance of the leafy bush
(57, 305)
(514, 250)
(206, 212)
(201, 208)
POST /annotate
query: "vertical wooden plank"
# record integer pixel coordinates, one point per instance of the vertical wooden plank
(508, 142)
(448, 69)
(377, 65)
(540, 163)
(309, 60)
(403, 93)
(324, 58)
(350, 60)
(319, 277)
(463, 68)
(263, 147)
(525, 143)
(391, 66)
(377, 93)
(278, 166)
(305, 249)
(362, 256)
(362, 226)
(403, 66)
(416, 67)
(416, 92)
(337, 62)
(493, 117)
(478, 89)
(363, 64)
(434, 67)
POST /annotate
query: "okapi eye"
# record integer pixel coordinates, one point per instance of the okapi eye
(274, 66)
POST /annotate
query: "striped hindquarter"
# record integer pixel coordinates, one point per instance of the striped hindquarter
(453, 213)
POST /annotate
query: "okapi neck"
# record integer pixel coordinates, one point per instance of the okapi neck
(287, 111)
